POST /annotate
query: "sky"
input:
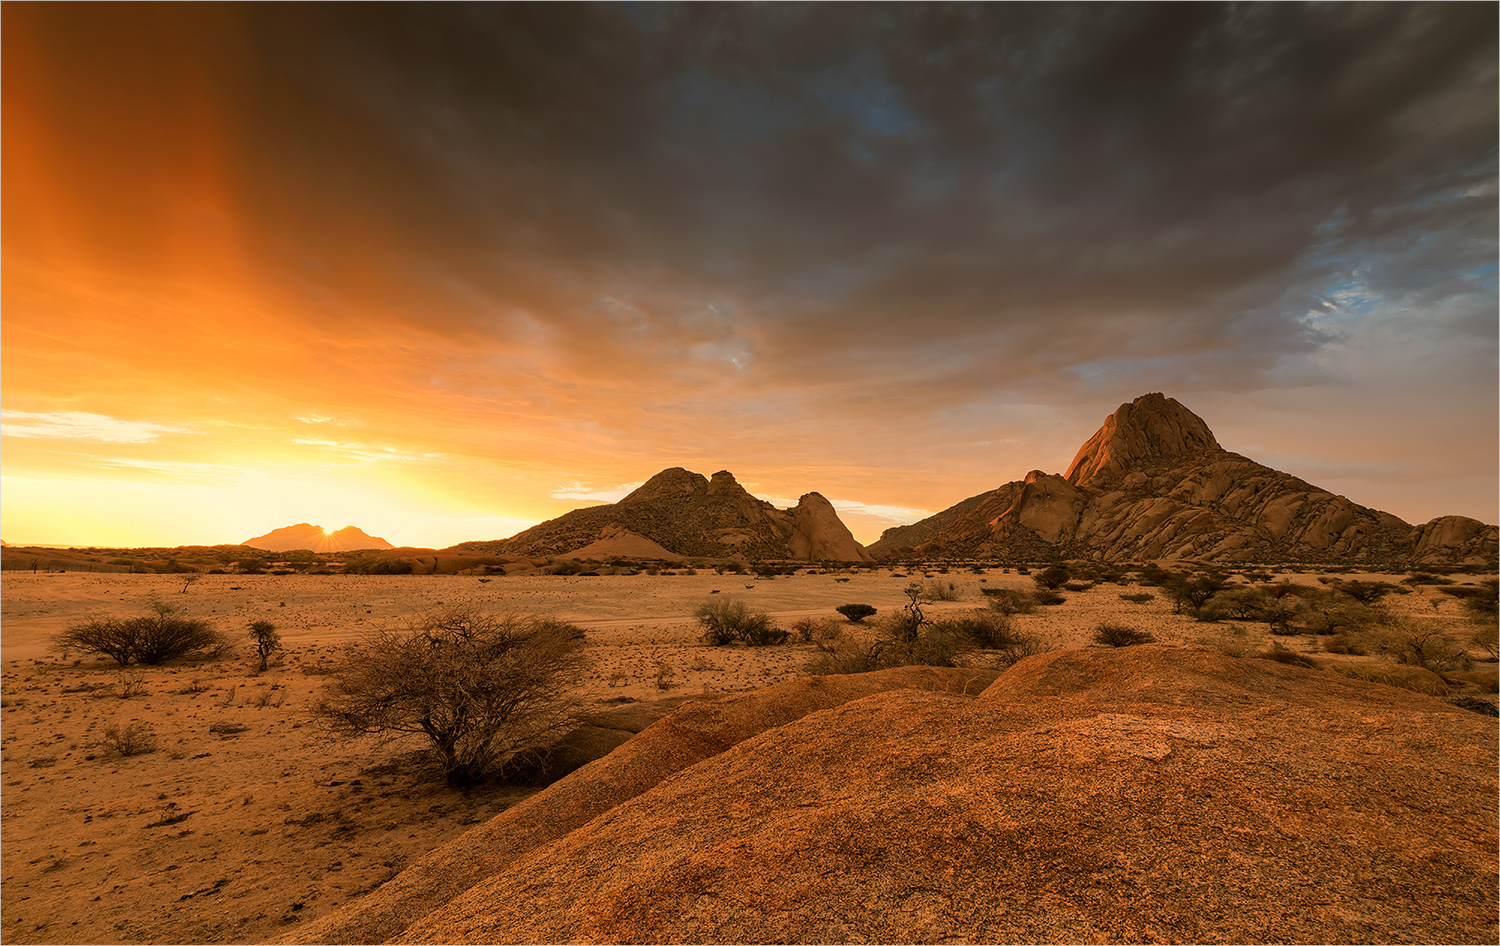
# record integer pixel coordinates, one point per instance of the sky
(445, 271)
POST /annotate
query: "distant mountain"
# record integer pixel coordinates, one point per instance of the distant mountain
(683, 513)
(1154, 484)
(305, 535)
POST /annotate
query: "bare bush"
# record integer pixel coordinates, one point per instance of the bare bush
(480, 688)
(939, 590)
(1244, 604)
(1365, 592)
(135, 738)
(1053, 578)
(151, 639)
(130, 684)
(1010, 601)
(726, 620)
(989, 630)
(1112, 634)
(1426, 646)
(1487, 639)
(1283, 655)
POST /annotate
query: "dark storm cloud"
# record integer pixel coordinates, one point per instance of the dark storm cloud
(850, 178)
(854, 178)
(769, 215)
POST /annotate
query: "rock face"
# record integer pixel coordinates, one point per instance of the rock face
(687, 515)
(305, 535)
(1147, 794)
(698, 731)
(1154, 484)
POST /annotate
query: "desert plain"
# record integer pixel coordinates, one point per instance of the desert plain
(248, 820)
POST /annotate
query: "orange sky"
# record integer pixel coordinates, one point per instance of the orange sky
(264, 265)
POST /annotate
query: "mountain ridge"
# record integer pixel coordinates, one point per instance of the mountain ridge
(305, 535)
(690, 515)
(1153, 483)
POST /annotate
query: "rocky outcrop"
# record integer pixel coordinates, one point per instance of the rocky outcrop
(818, 534)
(688, 515)
(1154, 484)
(1147, 794)
(1152, 430)
(1447, 538)
(699, 730)
(305, 535)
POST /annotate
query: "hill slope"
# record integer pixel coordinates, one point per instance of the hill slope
(1154, 483)
(687, 514)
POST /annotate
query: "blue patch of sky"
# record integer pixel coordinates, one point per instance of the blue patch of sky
(865, 95)
(647, 17)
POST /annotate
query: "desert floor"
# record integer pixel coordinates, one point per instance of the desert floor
(248, 819)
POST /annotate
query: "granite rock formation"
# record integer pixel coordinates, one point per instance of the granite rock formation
(305, 535)
(689, 515)
(1146, 794)
(1154, 484)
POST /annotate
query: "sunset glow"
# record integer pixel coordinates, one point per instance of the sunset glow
(398, 266)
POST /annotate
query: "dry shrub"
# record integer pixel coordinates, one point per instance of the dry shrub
(1010, 601)
(726, 620)
(1425, 645)
(1407, 678)
(150, 639)
(988, 630)
(1282, 655)
(938, 590)
(1140, 597)
(130, 684)
(1475, 704)
(1112, 634)
(135, 738)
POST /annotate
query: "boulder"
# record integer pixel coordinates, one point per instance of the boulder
(1145, 794)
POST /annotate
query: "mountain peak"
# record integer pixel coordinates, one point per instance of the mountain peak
(1152, 427)
(671, 482)
(685, 514)
(305, 535)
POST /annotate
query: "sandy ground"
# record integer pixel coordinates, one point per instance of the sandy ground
(248, 820)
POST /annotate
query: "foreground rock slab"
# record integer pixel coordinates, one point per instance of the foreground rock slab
(1150, 794)
(699, 730)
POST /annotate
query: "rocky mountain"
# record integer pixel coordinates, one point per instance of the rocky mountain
(305, 535)
(1148, 794)
(1154, 484)
(686, 514)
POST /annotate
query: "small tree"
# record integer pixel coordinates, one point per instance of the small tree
(480, 688)
(856, 612)
(267, 640)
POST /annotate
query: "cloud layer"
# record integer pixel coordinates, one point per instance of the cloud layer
(897, 253)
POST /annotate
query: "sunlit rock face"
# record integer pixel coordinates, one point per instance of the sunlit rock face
(688, 514)
(305, 535)
(1146, 794)
(1154, 484)
(1151, 430)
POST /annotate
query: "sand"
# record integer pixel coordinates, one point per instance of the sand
(248, 820)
